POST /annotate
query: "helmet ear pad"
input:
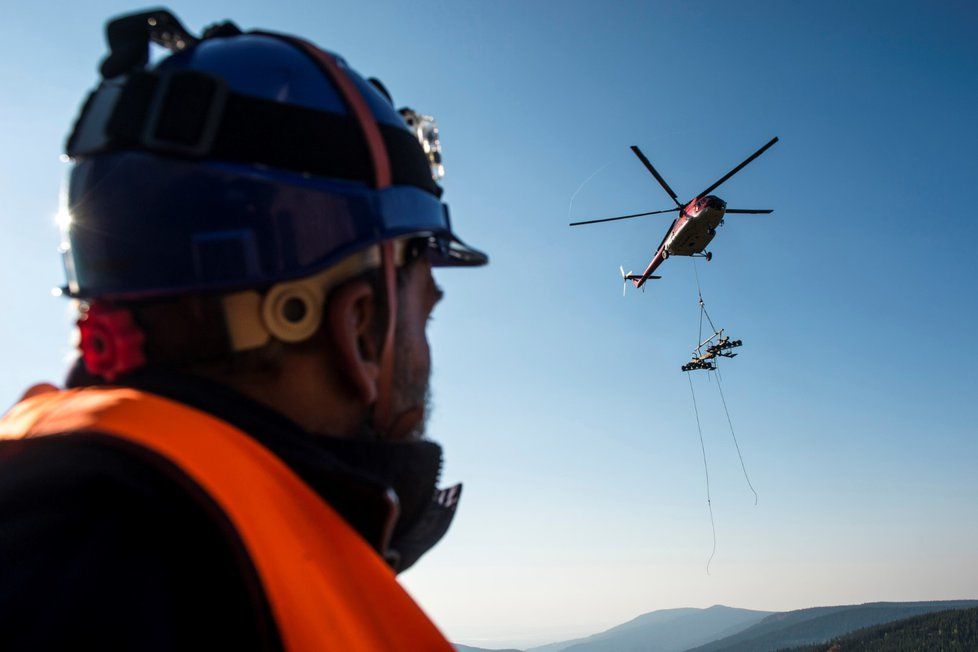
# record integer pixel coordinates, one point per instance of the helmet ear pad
(292, 312)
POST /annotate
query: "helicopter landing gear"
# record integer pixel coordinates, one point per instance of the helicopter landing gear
(709, 256)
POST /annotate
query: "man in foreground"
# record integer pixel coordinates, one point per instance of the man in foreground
(238, 460)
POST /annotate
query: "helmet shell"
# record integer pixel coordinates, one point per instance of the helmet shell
(144, 223)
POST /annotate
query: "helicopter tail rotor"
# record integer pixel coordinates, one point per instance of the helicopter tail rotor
(634, 278)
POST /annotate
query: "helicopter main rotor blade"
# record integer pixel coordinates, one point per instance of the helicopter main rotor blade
(738, 168)
(623, 217)
(749, 211)
(658, 177)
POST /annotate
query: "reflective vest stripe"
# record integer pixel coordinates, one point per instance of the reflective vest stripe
(327, 588)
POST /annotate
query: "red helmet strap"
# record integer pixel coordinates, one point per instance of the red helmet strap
(354, 102)
(383, 409)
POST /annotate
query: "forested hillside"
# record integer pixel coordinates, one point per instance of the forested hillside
(944, 631)
(818, 624)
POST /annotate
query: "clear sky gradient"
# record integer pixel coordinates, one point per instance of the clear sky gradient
(559, 403)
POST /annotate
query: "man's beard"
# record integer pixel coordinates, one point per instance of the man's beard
(410, 401)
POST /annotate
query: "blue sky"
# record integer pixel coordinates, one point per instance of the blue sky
(559, 403)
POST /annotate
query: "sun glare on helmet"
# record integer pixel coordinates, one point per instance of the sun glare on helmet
(63, 218)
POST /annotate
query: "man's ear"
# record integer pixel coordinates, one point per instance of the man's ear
(351, 324)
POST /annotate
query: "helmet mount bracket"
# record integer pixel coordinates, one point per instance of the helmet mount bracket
(129, 38)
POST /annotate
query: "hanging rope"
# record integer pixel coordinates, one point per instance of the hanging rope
(706, 471)
(703, 311)
(734, 435)
(699, 338)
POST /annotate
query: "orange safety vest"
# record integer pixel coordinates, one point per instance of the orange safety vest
(327, 588)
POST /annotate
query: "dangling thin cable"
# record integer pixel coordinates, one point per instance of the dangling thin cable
(699, 338)
(699, 292)
(706, 470)
(734, 435)
(708, 318)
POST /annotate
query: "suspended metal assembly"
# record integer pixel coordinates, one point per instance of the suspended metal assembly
(715, 346)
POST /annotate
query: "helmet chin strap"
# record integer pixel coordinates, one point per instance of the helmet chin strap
(383, 409)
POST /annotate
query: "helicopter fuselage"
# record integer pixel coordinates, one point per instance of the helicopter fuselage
(695, 227)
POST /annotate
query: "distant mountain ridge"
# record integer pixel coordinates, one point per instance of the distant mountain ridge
(726, 629)
(667, 630)
(820, 624)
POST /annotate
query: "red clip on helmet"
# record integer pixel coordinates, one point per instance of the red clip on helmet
(240, 160)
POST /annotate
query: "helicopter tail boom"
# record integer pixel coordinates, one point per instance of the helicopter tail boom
(636, 279)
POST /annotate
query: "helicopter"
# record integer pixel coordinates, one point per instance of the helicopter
(696, 224)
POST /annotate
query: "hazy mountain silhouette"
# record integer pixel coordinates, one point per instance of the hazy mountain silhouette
(819, 624)
(726, 629)
(668, 630)
(469, 648)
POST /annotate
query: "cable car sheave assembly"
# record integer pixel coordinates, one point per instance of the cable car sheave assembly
(704, 360)
(715, 346)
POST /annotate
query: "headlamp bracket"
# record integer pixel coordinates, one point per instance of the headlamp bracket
(425, 129)
(129, 37)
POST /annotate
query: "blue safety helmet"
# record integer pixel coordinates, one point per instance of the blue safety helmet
(240, 160)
